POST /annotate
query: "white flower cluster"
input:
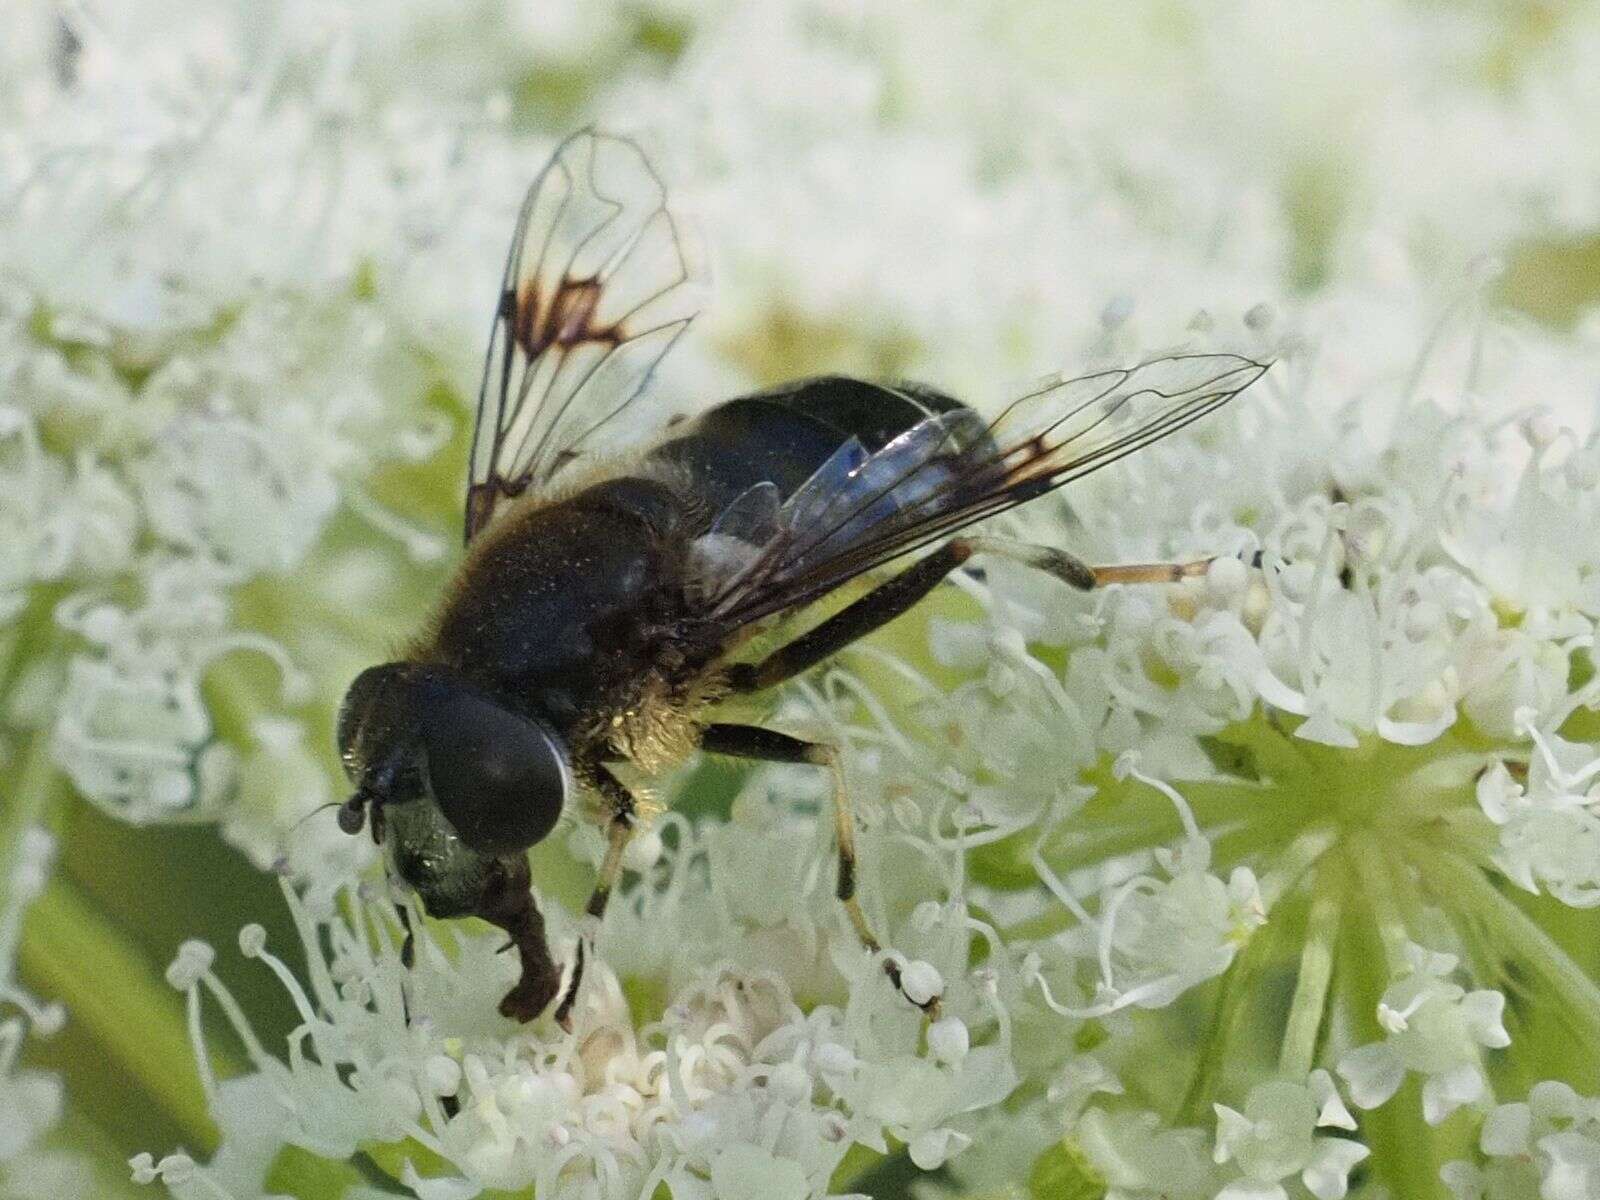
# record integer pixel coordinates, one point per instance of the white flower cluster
(198, 383)
(1549, 825)
(1548, 1146)
(1433, 1027)
(734, 1094)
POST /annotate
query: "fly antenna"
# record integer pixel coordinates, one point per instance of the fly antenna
(319, 808)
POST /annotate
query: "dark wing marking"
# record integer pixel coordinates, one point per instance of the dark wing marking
(599, 284)
(860, 510)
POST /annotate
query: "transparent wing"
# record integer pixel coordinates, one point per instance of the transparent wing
(860, 510)
(600, 282)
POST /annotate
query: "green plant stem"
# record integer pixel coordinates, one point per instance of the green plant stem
(1368, 857)
(29, 801)
(1237, 989)
(1469, 889)
(71, 953)
(1298, 1053)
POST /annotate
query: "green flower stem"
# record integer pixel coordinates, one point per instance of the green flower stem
(1290, 867)
(1405, 1157)
(29, 800)
(71, 953)
(32, 638)
(1238, 989)
(105, 1157)
(1298, 1053)
(1464, 885)
(1368, 857)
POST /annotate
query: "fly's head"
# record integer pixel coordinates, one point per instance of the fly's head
(450, 779)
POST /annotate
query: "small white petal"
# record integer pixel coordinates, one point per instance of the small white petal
(1484, 1012)
(1373, 1073)
(1574, 1170)
(1232, 1127)
(1443, 1094)
(746, 1172)
(143, 1167)
(1506, 1130)
(437, 1189)
(1465, 1180)
(176, 1169)
(1252, 1189)
(1330, 1108)
(1327, 1176)
(921, 981)
(934, 1148)
(948, 1040)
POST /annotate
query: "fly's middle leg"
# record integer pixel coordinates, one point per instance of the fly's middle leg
(750, 741)
(622, 814)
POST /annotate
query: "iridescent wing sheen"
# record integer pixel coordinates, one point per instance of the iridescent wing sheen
(860, 510)
(600, 283)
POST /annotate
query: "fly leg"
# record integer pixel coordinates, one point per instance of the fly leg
(1078, 574)
(878, 607)
(903, 591)
(751, 741)
(856, 620)
(408, 958)
(508, 903)
(622, 815)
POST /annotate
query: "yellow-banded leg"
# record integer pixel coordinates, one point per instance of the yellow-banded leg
(767, 745)
(856, 620)
(622, 815)
(886, 602)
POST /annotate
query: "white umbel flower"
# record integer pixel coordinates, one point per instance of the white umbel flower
(1274, 1138)
(1548, 1145)
(1433, 1027)
(734, 1092)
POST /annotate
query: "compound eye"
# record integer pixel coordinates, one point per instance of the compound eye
(499, 778)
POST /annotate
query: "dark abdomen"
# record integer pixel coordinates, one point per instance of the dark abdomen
(785, 434)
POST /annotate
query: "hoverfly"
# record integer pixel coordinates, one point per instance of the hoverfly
(600, 610)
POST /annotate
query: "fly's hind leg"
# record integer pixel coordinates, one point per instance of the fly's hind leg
(621, 817)
(1078, 574)
(886, 602)
(750, 741)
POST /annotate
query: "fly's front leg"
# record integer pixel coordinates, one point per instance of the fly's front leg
(408, 947)
(750, 741)
(508, 903)
(621, 816)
